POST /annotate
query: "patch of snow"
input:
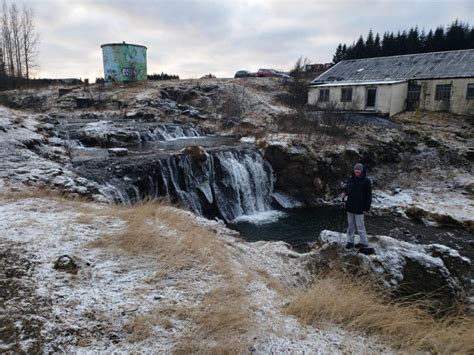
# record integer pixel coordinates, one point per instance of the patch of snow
(390, 255)
(247, 139)
(442, 203)
(261, 217)
(111, 289)
(286, 201)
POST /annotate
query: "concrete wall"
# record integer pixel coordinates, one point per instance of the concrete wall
(457, 104)
(124, 62)
(385, 102)
(399, 95)
(391, 98)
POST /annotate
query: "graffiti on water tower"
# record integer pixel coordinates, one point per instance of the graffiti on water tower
(124, 62)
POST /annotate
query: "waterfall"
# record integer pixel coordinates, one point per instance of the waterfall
(108, 133)
(227, 184)
(167, 132)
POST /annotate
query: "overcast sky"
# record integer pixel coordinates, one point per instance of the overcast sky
(194, 37)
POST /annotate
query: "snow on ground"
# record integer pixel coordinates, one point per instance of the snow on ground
(433, 202)
(26, 160)
(391, 254)
(90, 311)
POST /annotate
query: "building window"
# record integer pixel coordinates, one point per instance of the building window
(443, 92)
(323, 95)
(346, 94)
(470, 92)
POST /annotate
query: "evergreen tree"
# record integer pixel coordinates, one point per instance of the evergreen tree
(439, 39)
(470, 38)
(377, 46)
(458, 35)
(413, 44)
(369, 46)
(338, 56)
(359, 50)
(401, 43)
(389, 45)
(429, 42)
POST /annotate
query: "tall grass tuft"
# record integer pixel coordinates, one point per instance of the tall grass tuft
(355, 305)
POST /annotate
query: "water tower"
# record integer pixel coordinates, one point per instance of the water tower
(124, 62)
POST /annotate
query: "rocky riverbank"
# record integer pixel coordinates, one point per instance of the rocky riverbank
(135, 283)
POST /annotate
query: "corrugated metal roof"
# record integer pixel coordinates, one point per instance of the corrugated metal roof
(435, 65)
(352, 83)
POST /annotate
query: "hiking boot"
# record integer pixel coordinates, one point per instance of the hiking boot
(360, 245)
(366, 251)
(349, 245)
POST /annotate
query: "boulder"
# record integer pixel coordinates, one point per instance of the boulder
(431, 271)
(67, 264)
(196, 152)
(118, 152)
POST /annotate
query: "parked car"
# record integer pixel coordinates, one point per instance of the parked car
(266, 73)
(244, 74)
(272, 73)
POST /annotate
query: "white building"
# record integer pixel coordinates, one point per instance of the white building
(438, 81)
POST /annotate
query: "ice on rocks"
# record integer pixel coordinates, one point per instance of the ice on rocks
(398, 265)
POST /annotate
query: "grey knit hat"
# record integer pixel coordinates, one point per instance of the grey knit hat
(358, 166)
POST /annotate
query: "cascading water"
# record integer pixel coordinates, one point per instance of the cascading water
(109, 133)
(168, 132)
(226, 184)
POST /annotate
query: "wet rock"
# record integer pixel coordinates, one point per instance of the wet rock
(84, 102)
(430, 271)
(459, 267)
(63, 91)
(118, 152)
(67, 264)
(432, 143)
(352, 154)
(34, 101)
(196, 152)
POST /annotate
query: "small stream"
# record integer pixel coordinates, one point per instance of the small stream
(234, 183)
(303, 225)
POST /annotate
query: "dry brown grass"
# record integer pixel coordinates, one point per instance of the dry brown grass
(15, 194)
(354, 305)
(179, 243)
(222, 323)
(172, 236)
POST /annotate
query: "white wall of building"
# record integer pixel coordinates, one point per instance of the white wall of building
(391, 98)
(399, 95)
(458, 103)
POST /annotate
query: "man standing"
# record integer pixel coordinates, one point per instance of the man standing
(359, 198)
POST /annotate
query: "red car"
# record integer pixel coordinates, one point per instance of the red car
(271, 73)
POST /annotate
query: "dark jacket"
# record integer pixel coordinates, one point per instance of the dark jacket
(359, 194)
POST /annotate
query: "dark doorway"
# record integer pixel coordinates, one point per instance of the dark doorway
(371, 95)
(413, 96)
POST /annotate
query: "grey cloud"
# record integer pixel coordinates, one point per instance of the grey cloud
(192, 37)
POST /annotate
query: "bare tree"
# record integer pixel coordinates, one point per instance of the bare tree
(15, 33)
(18, 41)
(7, 40)
(29, 39)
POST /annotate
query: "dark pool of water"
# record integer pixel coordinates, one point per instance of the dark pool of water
(301, 226)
